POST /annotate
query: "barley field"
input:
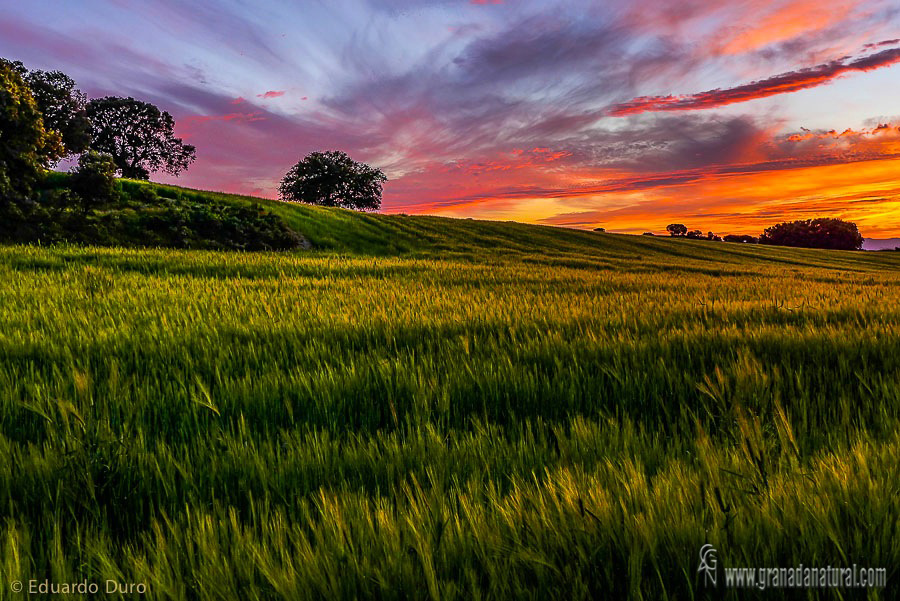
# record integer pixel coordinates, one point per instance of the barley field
(440, 409)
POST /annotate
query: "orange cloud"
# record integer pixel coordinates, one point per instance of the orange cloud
(849, 174)
(867, 193)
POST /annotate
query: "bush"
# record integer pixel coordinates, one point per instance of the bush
(741, 238)
(94, 181)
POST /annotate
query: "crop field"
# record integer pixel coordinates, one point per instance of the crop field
(454, 410)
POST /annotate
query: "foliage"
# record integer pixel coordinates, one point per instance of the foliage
(94, 181)
(333, 179)
(26, 147)
(835, 234)
(135, 214)
(742, 238)
(676, 229)
(695, 235)
(558, 419)
(138, 136)
(600, 229)
(62, 106)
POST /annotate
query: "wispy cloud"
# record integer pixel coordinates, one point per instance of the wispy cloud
(783, 83)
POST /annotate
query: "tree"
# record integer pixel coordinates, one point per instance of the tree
(648, 234)
(26, 147)
(676, 229)
(62, 106)
(835, 234)
(600, 229)
(138, 136)
(333, 179)
(695, 235)
(95, 180)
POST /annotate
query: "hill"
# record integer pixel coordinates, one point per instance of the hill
(375, 234)
(425, 408)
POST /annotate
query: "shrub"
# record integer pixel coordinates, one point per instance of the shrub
(94, 181)
(741, 238)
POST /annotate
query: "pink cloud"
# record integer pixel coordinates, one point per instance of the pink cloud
(791, 81)
(271, 94)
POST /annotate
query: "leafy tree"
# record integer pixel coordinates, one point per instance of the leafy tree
(333, 179)
(94, 181)
(712, 236)
(835, 234)
(26, 147)
(600, 229)
(139, 137)
(695, 235)
(676, 229)
(61, 104)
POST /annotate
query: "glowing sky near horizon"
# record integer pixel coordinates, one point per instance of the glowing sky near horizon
(726, 116)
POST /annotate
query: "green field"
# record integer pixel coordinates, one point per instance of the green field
(426, 408)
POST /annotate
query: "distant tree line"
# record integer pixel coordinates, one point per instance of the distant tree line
(823, 232)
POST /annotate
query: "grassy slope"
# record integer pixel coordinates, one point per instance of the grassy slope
(352, 232)
(499, 411)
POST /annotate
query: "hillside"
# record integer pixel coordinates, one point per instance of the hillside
(428, 408)
(352, 232)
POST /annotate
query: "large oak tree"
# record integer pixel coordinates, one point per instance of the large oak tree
(138, 136)
(333, 179)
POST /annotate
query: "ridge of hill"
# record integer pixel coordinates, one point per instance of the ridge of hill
(352, 232)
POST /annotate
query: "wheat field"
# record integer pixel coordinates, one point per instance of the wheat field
(556, 415)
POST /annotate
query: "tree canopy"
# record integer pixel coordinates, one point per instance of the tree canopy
(333, 179)
(26, 147)
(62, 105)
(138, 136)
(835, 234)
(677, 229)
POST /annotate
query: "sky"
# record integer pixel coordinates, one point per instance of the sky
(727, 116)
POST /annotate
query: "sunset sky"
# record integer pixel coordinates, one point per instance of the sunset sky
(726, 116)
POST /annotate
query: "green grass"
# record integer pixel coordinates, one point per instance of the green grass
(430, 408)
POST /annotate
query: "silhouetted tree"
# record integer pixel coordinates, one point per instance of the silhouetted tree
(676, 229)
(62, 106)
(713, 237)
(835, 234)
(333, 179)
(695, 235)
(648, 234)
(600, 229)
(138, 136)
(742, 238)
(25, 144)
